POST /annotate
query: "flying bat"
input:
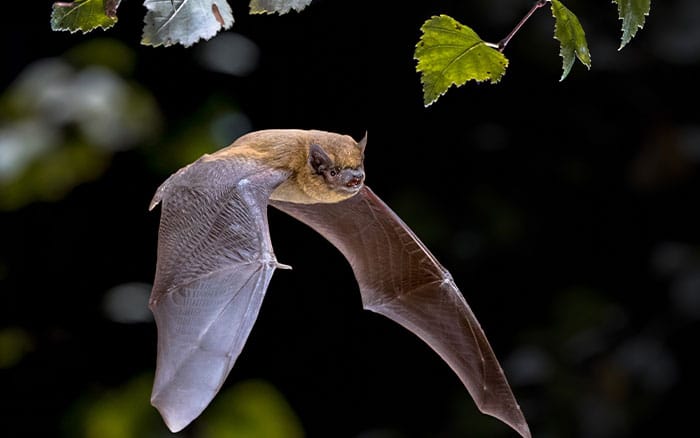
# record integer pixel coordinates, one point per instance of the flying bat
(215, 260)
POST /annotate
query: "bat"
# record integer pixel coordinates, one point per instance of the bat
(215, 260)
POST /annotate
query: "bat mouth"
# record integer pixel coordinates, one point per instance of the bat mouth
(353, 180)
(348, 181)
(354, 188)
(353, 184)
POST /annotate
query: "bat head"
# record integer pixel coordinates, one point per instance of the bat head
(335, 169)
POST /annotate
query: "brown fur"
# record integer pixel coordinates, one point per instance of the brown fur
(288, 149)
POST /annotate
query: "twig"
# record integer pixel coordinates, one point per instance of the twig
(504, 42)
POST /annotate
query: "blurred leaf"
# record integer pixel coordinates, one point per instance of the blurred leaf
(277, 6)
(229, 53)
(20, 143)
(60, 126)
(185, 22)
(127, 303)
(196, 135)
(106, 52)
(121, 413)
(82, 15)
(250, 409)
(51, 175)
(572, 38)
(14, 344)
(450, 53)
(633, 14)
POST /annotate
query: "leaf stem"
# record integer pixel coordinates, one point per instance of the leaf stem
(504, 42)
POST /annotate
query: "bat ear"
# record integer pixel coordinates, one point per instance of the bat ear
(318, 159)
(362, 143)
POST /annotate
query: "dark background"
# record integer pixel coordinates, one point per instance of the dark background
(566, 212)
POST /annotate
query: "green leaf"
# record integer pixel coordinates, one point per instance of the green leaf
(633, 13)
(83, 15)
(450, 53)
(277, 6)
(184, 22)
(572, 38)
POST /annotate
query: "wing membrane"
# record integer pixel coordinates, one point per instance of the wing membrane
(400, 279)
(215, 261)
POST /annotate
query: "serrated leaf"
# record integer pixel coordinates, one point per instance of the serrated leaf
(633, 14)
(184, 22)
(450, 53)
(277, 6)
(572, 38)
(81, 15)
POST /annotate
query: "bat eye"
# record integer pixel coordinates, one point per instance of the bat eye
(333, 172)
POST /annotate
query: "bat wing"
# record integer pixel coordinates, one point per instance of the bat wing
(400, 279)
(214, 263)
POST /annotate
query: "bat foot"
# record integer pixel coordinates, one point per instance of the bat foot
(282, 266)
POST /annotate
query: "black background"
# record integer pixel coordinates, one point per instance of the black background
(543, 198)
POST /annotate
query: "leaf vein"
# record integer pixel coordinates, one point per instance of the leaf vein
(456, 58)
(172, 16)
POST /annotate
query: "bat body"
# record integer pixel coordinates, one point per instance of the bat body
(215, 260)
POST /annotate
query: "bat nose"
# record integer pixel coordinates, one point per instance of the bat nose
(356, 177)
